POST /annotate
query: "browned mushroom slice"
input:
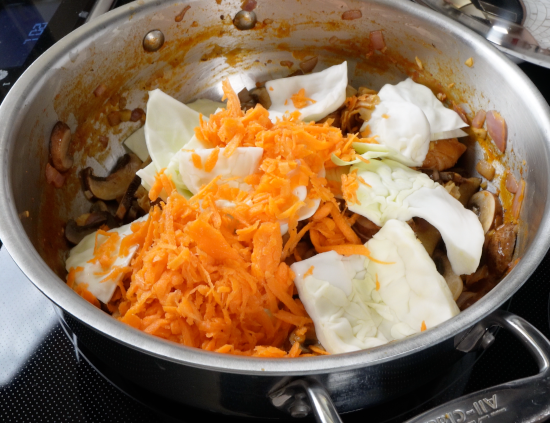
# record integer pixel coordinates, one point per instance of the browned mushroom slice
(142, 197)
(128, 197)
(365, 229)
(75, 233)
(467, 188)
(443, 154)
(432, 173)
(488, 209)
(261, 96)
(60, 139)
(501, 247)
(99, 206)
(134, 212)
(115, 185)
(426, 233)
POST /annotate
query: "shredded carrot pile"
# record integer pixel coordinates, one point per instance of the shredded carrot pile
(300, 100)
(216, 278)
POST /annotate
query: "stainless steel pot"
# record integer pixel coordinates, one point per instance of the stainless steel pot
(199, 51)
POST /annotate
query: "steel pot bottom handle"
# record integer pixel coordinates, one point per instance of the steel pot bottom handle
(523, 400)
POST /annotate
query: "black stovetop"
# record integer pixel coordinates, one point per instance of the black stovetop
(45, 377)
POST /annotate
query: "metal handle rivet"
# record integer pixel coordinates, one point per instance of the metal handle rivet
(245, 20)
(153, 40)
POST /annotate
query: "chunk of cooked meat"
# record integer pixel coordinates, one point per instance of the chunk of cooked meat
(443, 154)
(500, 247)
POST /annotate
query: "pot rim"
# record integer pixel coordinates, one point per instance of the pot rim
(29, 261)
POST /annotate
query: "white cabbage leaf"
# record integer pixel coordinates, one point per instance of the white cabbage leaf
(138, 144)
(398, 192)
(444, 122)
(327, 88)
(402, 127)
(82, 253)
(408, 117)
(350, 313)
(169, 125)
(243, 162)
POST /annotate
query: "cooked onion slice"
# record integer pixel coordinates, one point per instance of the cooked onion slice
(497, 128)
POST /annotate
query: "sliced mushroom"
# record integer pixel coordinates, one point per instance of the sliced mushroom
(59, 146)
(75, 233)
(426, 233)
(115, 185)
(467, 188)
(134, 213)
(501, 247)
(99, 206)
(244, 95)
(487, 208)
(261, 96)
(444, 267)
(431, 172)
(365, 229)
(142, 197)
(128, 197)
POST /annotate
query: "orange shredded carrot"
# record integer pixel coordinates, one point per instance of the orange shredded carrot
(309, 272)
(318, 350)
(212, 160)
(197, 161)
(295, 350)
(341, 223)
(82, 290)
(423, 326)
(363, 159)
(377, 283)
(71, 277)
(322, 211)
(350, 187)
(215, 278)
(300, 100)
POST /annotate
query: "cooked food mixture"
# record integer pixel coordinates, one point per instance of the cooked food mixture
(302, 218)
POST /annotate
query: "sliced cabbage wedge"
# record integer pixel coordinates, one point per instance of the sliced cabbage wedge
(170, 125)
(243, 162)
(350, 312)
(444, 122)
(81, 254)
(402, 127)
(408, 117)
(398, 192)
(327, 88)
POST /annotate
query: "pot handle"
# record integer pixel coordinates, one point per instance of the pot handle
(523, 400)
